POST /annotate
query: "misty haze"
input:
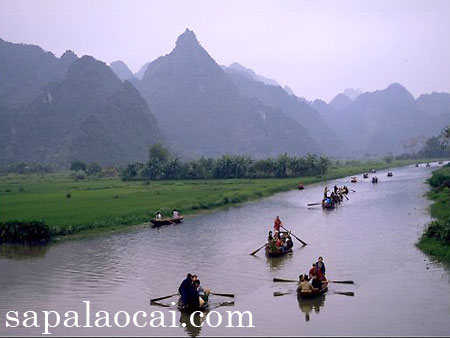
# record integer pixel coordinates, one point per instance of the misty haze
(166, 137)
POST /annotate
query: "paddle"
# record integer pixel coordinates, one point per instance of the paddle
(344, 293)
(223, 294)
(342, 281)
(294, 236)
(352, 190)
(223, 304)
(329, 281)
(309, 204)
(254, 252)
(161, 298)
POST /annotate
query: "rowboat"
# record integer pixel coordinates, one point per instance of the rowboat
(354, 179)
(189, 308)
(301, 186)
(441, 162)
(428, 164)
(313, 293)
(167, 221)
(374, 179)
(417, 164)
(328, 203)
(390, 174)
(365, 175)
(271, 254)
(373, 171)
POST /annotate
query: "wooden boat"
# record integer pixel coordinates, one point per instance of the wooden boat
(374, 179)
(390, 174)
(417, 164)
(428, 164)
(354, 179)
(312, 294)
(276, 254)
(441, 162)
(328, 203)
(167, 221)
(365, 175)
(189, 309)
(301, 186)
(373, 171)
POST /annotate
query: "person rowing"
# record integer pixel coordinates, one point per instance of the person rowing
(277, 224)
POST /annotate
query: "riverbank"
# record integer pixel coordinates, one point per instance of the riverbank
(435, 240)
(98, 205)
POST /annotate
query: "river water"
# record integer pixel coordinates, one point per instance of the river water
(369, 239)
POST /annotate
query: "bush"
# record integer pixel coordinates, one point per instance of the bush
(389, 159)
(32, 232)
(439, 230)
(439, 179)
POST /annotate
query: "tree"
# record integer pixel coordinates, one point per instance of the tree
(158, 153)
(93, 169)
(78, 166)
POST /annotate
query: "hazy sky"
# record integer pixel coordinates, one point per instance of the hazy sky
(318, 48)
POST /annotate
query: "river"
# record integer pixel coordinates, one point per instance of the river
(369, 239)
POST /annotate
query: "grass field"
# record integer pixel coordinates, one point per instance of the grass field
(440, 210)
(108, 204)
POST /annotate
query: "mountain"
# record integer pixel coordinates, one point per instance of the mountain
(352, 93)
(121, 70)
(299, 110)
(249, 73)
(340, 102)
(379, 122)
(198, 104)
(25, 69)
(89, 115)
(142, 70)
(288, 90)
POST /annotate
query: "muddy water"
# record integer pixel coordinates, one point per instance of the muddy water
(369, 239)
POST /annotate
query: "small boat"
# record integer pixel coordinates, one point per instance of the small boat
(189, 309)
(271, 254)
(373, 171)
(354, 179)
(327, 203)
(428, 164)
(390, 174)
(312, 294)
(301, 186)
(365, 175)
(374, 179)
(167, 221)
(441, 162)
(417, 164)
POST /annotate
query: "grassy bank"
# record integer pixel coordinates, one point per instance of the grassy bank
(435, 240)
(107, 204)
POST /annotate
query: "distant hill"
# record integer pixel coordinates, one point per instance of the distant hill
(84, 113)
(352, 93)
(297, 109)
(142, 70)
(205, 113)
(121, 70)
(25, 69)
(249, 73)
(340, 102)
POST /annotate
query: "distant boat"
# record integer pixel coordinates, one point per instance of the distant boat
(390, 174)
(354, 179)
(374, 179)
(417, 164)
(167, 221)
(365, 175)
(440, 162)
(373, 171)
(428, 164)
(301, 186)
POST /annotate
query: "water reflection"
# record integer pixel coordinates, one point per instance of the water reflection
(309, 305)
(22, 252)
(276, 263)
(192, 327)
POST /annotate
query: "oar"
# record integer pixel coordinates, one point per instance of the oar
(309, 204)
(223, 294)
(298, 239)
(159, 304)
(344, 293)
(341, 281)
(223, 304)
(352, 190)
(345, 196)
(284, 280)
(161, 298)
(254, 252)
